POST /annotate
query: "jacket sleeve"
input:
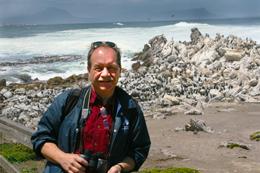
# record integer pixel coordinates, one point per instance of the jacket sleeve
(48, 127)
(140, 140)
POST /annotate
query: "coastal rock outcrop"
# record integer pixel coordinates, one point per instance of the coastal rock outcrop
(203, 70)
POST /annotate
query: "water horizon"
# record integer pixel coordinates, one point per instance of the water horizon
(254, 20)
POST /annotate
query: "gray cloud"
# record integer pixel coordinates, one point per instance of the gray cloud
(104, 10)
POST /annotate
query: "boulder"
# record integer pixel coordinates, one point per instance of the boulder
(157, 43)
(197, 125)
(195, 36)
(170, 100)
(233, 55)
(215, 93)
(8, 94)
(2, 83)
(253, 82)
(25, 78)
(193, 111)
(136, 65)
(55, 81)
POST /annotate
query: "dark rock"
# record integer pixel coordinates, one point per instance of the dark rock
(145, 57)
(195, 35)
(157, 43)
(2, 83)
(43, 60)
(148, 61)
(221, 52)
(75, 78)
(146, 48)
(136, 65)
(51, 59)
(197, 125)
(25, 78)
(2, 98)
(72, 78)
(55, 81)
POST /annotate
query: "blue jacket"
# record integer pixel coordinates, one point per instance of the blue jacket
(130, 135)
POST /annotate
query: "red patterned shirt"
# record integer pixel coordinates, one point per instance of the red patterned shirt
(97, 130)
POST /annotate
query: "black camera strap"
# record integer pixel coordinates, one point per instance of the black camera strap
(84, 115)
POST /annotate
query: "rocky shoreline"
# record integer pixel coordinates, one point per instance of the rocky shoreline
(21, 76)
(167, 77)
(43, 60)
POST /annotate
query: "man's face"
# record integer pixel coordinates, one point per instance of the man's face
(104, 71)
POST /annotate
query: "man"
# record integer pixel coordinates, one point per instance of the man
(104, 132)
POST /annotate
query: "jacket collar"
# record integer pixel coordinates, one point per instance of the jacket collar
(124, 101)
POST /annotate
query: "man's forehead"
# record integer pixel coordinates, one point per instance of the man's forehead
(100, 63)
(103, 50)
(103, 55)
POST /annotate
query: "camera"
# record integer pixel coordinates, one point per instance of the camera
(91, 158)
(95, 163)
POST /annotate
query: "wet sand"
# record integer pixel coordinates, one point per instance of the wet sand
(231, 123)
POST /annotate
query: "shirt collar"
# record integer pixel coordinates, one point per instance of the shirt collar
(95, 99)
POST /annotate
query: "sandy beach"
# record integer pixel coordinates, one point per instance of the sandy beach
(202, 151)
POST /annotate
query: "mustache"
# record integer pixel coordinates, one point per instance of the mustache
(109, 80)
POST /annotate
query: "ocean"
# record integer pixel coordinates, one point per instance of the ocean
(22, 46)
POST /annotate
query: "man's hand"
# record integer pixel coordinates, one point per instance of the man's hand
(126, 165)
(73, 163)
(115, 169)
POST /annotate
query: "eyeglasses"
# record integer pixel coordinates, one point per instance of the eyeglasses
(103, 43)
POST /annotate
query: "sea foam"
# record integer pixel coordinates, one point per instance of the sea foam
(77, 41)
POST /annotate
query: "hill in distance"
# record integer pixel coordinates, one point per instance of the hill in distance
(48, 16)
(193, 13)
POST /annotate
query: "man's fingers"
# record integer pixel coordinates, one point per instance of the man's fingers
(73, 169)
(82, 161)
(73, 163)
(78, 166)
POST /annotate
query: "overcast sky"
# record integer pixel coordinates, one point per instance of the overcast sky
(130, 9)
